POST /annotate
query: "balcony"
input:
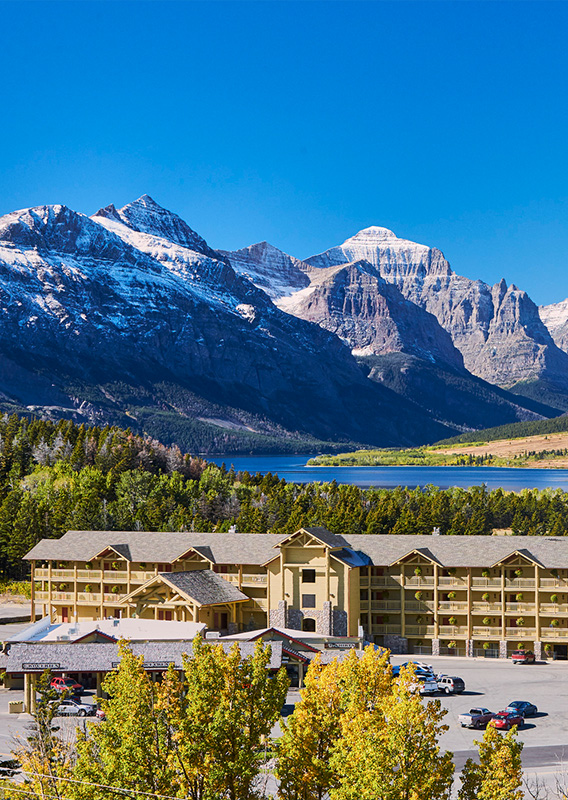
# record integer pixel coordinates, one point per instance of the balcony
(60, 596)
(483, 632)
(385, 605)
(89, 597)
(485, 583)
(41, 596)
(258, 604)
(519, 583)
(89, 575)
(62, 573)
(554, 583)
(386, 629)
(452, 580)
(554, 608)
(41, 572)
(419, 581)
(482, 607)
(138, 576)
(384, 580)
(521, 633)
(452, 605)
(453, 630)
(527, 608)
(418, 630)
(419, 605)
(554, 633)
(254, 580)
(112, 576)
(112, 598)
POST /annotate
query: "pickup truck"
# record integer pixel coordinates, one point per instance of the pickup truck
(475, 718)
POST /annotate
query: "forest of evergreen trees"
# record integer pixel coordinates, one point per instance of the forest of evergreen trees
(59, 476)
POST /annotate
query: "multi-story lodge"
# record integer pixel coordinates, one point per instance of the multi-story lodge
(464, 594)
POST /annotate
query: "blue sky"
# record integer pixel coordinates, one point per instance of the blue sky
(302, 122)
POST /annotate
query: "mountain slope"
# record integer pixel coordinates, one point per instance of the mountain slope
(131, 313)
(555, 317)
(497, 329)
(399, 343)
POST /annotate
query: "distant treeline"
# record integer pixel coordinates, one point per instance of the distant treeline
(56, 477)
(514, 430)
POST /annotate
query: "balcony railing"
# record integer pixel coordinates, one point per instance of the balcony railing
(386, 628)
(384, 580)
(554, 633)
(254, 579)
(452, 605)
(554, 583)
(385, 605)
(39, 596)
(419, 605)
(521, 633)
(256, 604)
(484, 632)
(111, 575)
(62, 573)
(452, 580)
(516, 607)
(453, 630)
(112, 598)
(62, 596)
(554, 608)
(89, 597)
(482, 607)
(418, 630)
(419, 580)
(141, 576)
(485, 583)
(519, 583)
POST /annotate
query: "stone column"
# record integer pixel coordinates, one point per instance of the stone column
(277, 617)
(502, 649)
(435, 647)
(469, 648)
(538, 649)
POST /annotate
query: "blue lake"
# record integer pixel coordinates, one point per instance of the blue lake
(294, 469)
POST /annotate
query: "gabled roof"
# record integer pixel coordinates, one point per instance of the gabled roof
(420, 551)
(332, 540)
(200, 586)
(522, 553)
(165, 548)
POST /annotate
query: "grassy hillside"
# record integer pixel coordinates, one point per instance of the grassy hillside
(515, 430)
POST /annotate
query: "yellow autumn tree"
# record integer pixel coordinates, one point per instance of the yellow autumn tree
(389, 750)
(304, 768)
(498, 776)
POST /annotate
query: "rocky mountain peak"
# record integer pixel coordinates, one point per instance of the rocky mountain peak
(374, 233)
(269, 268)
(146, 216)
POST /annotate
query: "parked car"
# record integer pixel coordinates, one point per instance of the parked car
(426, 684)
(475, 718)
(450, 684)
(523, 657)
(505, 720)
(71, 708)
(67, 685)
(420, 669)
(523, 708)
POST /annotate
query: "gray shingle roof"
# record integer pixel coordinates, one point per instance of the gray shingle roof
(97, 657)
(204, 586)
(142, 546)
(250, 548)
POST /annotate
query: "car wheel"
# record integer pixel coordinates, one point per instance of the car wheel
(448, 690)
(478, 726)
(82, 712)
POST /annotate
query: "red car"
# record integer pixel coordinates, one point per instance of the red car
(505, 720)
(67, 685)
(523, 657)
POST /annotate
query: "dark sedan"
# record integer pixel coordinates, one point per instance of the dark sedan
(523, 708)
(505, 720)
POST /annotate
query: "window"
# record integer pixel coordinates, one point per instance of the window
(363, 594)
(308, 576)
(309, 625)
(308, 601)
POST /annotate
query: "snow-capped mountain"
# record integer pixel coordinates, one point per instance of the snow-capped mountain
(130, 312)
(272, 270)
(555, 317)
(496, 328)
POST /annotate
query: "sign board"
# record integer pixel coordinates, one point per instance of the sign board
(340, 645)
(34, 665)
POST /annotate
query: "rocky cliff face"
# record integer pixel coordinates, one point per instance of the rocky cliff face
(497, 328)
(555, 317)
(272, 270)
(370, 315)
(98, 312)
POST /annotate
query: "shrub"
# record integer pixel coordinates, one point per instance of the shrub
(115, 566)
(519, 597)
(451, 571)
(115, 590)
(520, 645)
(88, 588)
(554, 573)
(452, 645)
(88, 565)
(419, 595)
(487, 620)
(419, 620)
(487, 645)
(485, 573)
(62, 587)
(451, 595)
(452, 620)
(555, 623)
(548, 647)
(485, 596)
(142, 565)
(518, 572)
(553, 598)
(519, 622)
(418, 571)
